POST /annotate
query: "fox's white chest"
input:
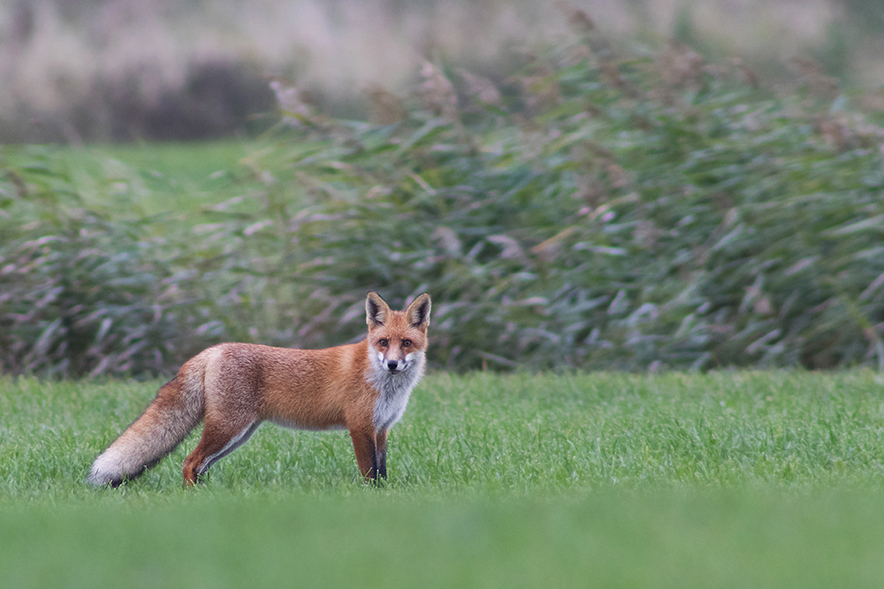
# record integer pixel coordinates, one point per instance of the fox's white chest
(394, 389)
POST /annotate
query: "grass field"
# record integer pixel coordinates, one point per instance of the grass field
(157, 178)
(731, 479)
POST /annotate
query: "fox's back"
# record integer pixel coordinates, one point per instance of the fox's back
(311, 389)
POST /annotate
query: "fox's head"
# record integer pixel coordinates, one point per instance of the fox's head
(397, 340)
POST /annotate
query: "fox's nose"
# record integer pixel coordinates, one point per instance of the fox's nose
(392, 365)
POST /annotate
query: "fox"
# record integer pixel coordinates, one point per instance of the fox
(232, 388)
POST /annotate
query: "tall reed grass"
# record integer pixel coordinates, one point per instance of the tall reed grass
(601, 210)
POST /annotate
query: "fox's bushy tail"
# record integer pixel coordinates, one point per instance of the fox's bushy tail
(177, 409)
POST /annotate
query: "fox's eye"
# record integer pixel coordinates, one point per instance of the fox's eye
(383, 343)
(406, 343)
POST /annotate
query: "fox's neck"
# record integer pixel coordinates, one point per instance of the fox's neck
(393, 388)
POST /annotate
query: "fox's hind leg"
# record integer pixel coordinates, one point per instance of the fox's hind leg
(219, 439)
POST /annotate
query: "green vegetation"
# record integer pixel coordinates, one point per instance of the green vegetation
(725, 479)
(765, 540)
(177, 178)
(140, 181)
(499, 435)
(605, 211)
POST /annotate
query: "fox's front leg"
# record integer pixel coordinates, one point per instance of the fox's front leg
(371, 452)
(380, 454)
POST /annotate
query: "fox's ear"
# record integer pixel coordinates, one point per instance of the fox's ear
(376, 310)
(418, 312)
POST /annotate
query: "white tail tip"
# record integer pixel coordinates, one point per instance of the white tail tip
(107, 469)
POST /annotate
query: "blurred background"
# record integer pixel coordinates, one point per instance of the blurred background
(119, 70)
(634, 185)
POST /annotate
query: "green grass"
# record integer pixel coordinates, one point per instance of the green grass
(606, 540)
(732, 479)
(178, 179)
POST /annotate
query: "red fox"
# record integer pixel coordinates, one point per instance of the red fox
(233, 388)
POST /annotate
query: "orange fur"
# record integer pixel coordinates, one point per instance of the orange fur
(233, 388)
